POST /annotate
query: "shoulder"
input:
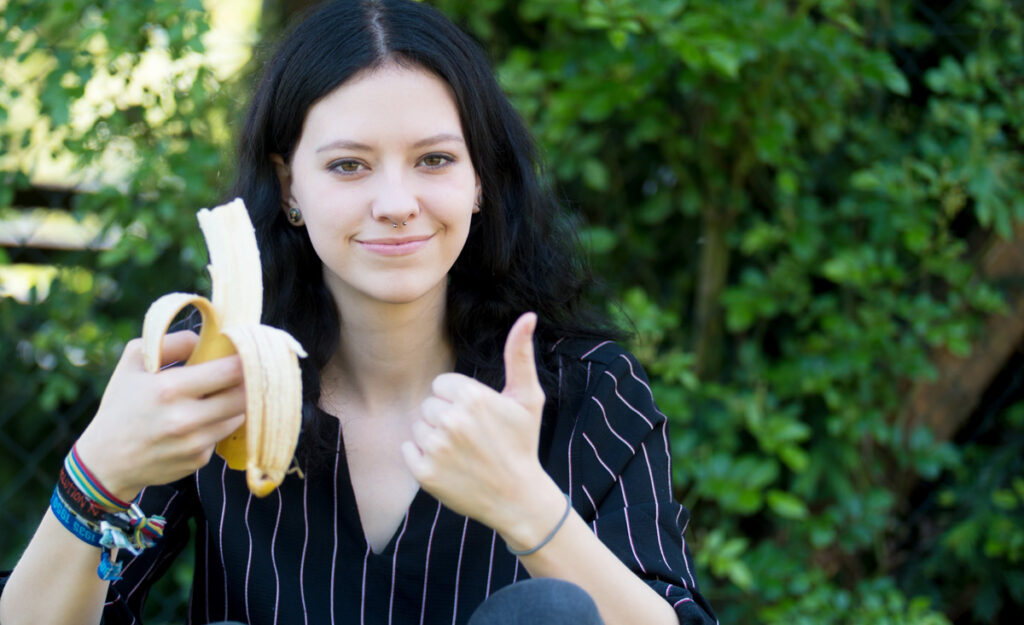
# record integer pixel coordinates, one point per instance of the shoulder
(589, 350)
(615, 428)
(604, 396)
(604, 369)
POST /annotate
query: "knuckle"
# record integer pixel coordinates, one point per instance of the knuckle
(449, 421)
(233, 367)
(473, 397)
(431, 408)
(437, 444)
(178, 424)
(200, 457)
(537, 398)
(426, 473)
(164, 391)
(197, 447)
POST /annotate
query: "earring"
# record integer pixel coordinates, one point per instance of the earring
(295, 215)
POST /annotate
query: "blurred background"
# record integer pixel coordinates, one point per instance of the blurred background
(809, 212)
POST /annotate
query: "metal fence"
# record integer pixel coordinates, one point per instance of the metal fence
(34, 439)
(32, 446)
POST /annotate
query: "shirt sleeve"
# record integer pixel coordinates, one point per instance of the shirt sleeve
(177, 503)
(621, 459)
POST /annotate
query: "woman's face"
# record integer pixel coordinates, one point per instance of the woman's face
(384, 149)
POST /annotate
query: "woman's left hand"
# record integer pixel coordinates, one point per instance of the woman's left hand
(475, 449)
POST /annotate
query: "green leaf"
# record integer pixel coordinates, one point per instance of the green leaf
(595, 174)
(786, 505)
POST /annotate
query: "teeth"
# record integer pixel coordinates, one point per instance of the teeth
(264, 446)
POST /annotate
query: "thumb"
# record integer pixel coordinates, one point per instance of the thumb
(521, 382)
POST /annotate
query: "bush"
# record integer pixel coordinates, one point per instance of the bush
(790, 201)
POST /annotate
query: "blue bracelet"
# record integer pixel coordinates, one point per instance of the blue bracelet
(71, 522)
(108, 569)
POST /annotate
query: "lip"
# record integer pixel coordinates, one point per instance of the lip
(395, 246)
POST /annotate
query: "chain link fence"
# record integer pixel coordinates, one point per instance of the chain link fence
(35, 435)
(33, 444)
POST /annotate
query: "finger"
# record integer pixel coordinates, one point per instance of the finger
(454, 387)
(221, 406)
(414, 460)
(205, 378)
(221, 429)
(177, 347)
(521, 382)
(430, 440)
(431, 410)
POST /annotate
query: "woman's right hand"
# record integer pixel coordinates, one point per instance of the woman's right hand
(154, 428)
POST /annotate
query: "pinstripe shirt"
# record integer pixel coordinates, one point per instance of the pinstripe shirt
(299, 556)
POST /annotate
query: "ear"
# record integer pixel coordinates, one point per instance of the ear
(479, 196)
(284, 178)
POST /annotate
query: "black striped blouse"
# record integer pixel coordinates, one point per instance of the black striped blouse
(299, 556)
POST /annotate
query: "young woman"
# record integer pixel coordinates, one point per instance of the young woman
(468, 424)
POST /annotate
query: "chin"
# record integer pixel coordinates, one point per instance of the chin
(398, 293)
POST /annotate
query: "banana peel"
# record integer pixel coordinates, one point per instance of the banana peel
(264, 445)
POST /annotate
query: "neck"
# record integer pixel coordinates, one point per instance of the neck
(388, 356)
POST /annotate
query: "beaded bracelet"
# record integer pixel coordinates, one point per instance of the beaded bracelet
(549, 537)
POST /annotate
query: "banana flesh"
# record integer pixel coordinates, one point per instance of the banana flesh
(264, 445)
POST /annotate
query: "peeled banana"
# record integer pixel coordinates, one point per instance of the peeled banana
(265, 444)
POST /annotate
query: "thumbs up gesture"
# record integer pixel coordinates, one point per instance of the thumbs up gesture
(475, 449)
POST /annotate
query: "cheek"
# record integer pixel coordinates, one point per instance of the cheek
(457, 197)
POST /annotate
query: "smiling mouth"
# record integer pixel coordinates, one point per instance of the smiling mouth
(395, 246)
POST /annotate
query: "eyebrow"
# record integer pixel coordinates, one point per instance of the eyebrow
(344, 144)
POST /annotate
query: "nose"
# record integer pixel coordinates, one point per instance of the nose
(395, 201)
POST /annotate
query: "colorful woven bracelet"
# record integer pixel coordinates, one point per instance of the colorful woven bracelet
(87, 483)
(77, 501)
(71, 522)
(98, 517)
(108, 569)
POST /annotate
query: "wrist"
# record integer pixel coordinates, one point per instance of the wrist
(94, 460)
(540, 511)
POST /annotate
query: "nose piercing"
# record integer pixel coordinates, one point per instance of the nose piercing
(395, 225)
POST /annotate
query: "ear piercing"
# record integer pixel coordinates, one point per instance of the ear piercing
(294, 215)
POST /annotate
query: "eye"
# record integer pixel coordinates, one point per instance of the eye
(346, 166)
(436, 161)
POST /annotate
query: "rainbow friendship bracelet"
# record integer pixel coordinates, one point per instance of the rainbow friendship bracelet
(99, 518)
(88, 484)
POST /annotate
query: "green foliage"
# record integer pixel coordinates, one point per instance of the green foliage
(853, 154)
(845, 163)
(978, 508)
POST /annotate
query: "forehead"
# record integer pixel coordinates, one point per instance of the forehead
(388, 101)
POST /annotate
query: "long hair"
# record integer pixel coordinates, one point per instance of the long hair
(520, 254)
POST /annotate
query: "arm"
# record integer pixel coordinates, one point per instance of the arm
(476, 451)
(576, 554)
(55, 580)
(149, 429)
